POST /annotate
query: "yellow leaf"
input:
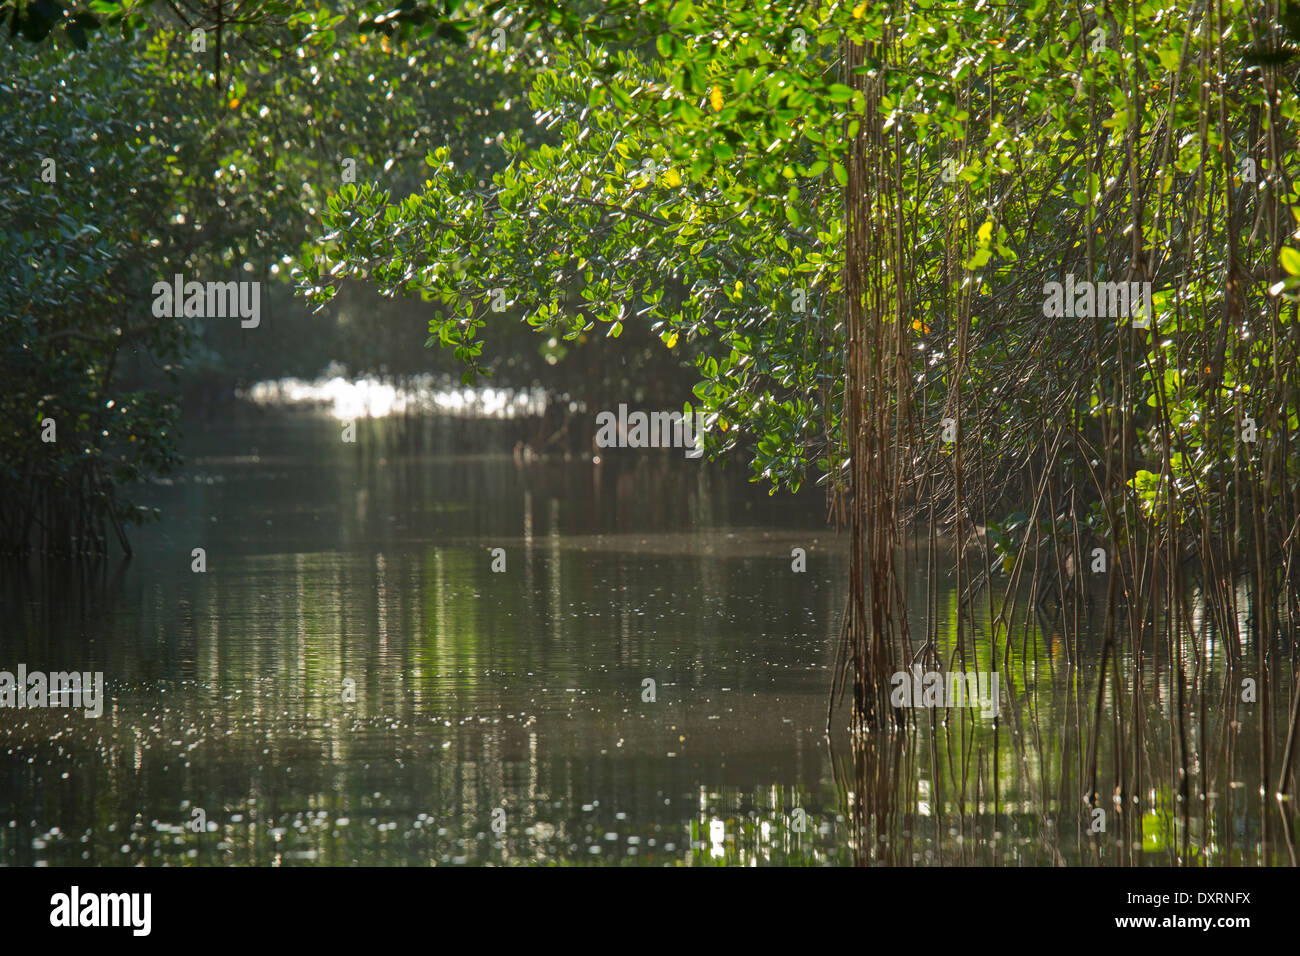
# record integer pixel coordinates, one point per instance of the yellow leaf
(671, 341)
(234, 101)
(716, 98)
(672, 178)
(860, 9)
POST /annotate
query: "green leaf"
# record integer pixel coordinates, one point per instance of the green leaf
(1290, 260)
(679, 13)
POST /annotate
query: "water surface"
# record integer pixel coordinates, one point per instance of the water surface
(350, 682)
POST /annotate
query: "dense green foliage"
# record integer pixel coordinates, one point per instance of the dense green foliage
(697, 185)
(76, 223)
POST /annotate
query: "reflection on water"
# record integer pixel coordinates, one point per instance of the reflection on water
(350, 682)
(348, 398)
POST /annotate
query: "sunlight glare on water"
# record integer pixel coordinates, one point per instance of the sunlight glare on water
(369, 397)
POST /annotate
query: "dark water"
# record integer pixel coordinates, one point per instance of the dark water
(350, 682)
